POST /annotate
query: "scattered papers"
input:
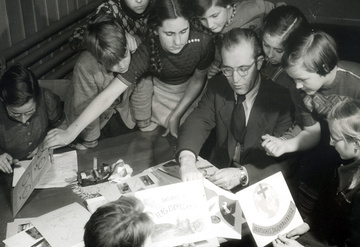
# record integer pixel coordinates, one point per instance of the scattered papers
(61, 227)
(64, 226)
(17, 226)
(269, 209)
(63, 172)
(179, 212)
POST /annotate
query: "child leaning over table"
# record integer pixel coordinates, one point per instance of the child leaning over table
(106, 54)
(27, 112)
(122, 223)
(337, 219)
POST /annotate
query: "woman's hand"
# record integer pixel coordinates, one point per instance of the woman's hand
(132, 42)
(298, 231)
(57, 138)
(173, 123)
(6, 160)
(214, 69)
(282, 241)
(273, 146)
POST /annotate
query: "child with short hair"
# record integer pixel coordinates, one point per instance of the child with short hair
(339, 217)
(122, 223)
(27, 112)
(131, 14)
(106, 54)
(220, 16)
(280, 24)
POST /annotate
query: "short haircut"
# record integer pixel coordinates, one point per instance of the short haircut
(105, 39)
(121, 223)
(238, 35)
(201, 6)
(18, 86)
(316, 51)
(285, 21)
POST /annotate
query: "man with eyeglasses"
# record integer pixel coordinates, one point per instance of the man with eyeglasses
(242, 107)
(26, 114)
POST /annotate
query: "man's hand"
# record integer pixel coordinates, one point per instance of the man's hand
(6, 161)
(188, 169)
(273, 146)
(226, 178)
(282, 241)
(298, 231)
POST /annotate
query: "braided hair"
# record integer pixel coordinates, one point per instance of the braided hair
(163, 10)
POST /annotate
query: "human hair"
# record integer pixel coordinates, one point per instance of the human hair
(18, 86)
(122, 223)
(201, 6)
(238, 35)
(316, 51)
(285, 21)
(105, 39)
(163, 10)
(345, 122)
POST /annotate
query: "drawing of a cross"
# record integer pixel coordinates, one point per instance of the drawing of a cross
(262, 190)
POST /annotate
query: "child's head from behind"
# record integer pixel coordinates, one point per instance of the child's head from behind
(344, 125)
(121, 223)
(137, 6)
(105, 39)
(280, 24)
(310, 59)
(213, 14)
(19, 92)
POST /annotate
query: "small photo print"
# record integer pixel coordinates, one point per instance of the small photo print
(34, 233)
(24, 226)
(42, 243)
(124, 188)
(147, 180)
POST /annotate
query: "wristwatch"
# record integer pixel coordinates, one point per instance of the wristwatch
(244, 178)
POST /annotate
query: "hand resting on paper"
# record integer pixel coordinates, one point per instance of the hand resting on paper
(188, 169)
(6, 160)
(226, 178)
(298, 231)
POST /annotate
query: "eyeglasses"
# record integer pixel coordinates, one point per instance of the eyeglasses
(18, 115)
(242, 70)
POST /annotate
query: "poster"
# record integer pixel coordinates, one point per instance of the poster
(269, 209)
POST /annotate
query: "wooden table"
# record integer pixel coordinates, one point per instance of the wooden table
(140, 150)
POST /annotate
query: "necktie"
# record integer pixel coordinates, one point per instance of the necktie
(239, 120)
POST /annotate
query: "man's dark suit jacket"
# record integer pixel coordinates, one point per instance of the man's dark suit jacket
(270, 114)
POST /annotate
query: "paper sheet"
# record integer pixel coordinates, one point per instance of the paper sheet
(64, 226)
(61, 173)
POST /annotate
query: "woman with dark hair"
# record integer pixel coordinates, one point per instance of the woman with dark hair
(26, 114)
(175, 54)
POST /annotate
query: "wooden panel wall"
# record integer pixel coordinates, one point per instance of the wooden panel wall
(21, 18)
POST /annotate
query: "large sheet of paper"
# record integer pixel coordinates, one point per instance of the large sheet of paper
(269, 209)
(32, 175)
(179, 212)
(63, 172)
(64, 226)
